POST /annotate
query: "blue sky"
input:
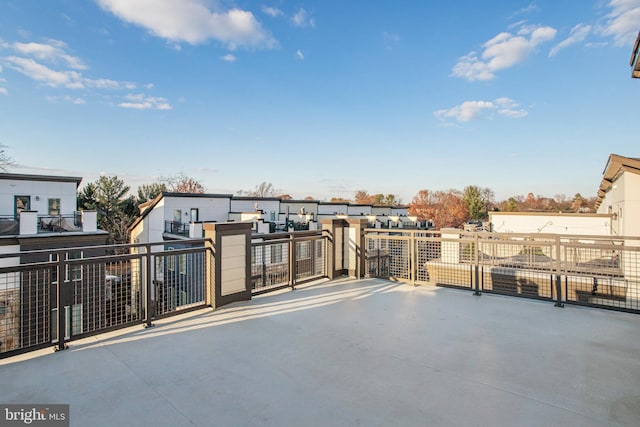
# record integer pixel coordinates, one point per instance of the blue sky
(321, 98)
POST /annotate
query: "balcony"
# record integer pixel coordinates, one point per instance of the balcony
(317, 351)
(29, 222)
(349, 352)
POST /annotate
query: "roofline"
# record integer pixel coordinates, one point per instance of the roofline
(44, 178)
(616, 164)
(558, 214)
(270, 199)
(202, 195)
(150, 205)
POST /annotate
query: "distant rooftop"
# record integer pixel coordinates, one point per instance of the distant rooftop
(46, 178)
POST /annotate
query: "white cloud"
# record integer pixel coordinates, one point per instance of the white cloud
(142, 102)
(577, 34)
(302, 18)
(622, 22)
(192, 22)
(502, 51)
(300, 55)
(44, 74)
(527, 9)
(271, 11)
(69, 79)
(229, 58)
(54, 52)
(4, 91)
(474, 110)
(67, 98)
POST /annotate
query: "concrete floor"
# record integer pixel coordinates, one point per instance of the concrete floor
(344, 353)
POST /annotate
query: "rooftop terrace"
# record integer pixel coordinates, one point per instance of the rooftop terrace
(349, 352)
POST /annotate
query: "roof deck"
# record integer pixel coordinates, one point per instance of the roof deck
(349, 352)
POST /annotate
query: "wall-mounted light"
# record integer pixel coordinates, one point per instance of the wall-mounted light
(614, 216)
(37, 198)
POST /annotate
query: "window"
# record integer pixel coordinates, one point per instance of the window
(177, 215)
(54, 207)
(276, 253)
(195, 215)
(73, 272)
(21, 203)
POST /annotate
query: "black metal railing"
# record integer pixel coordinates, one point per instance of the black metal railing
(98, 292)
(59, 223)
(286, 259)
(177, 228)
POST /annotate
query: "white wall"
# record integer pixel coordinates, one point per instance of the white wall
(333, 208)
(310, 206)
(355, 210)
(381, 210)
(623, 200)
(40, 193)
(244, 205)
(396, 210)
(209, 208)
(519, 222)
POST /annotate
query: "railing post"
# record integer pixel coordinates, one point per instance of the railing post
(61, 301)
(413, 257)
(292, 261)
(148, 282)
(264, 264)
(559, 302)
(476, 259)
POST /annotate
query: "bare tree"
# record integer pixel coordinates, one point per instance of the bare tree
(264, 189)
(5, 160)
(184, 184)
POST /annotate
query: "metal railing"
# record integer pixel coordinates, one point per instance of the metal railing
(286, 259)
(599, 271)
(59, 223)
(177, 228)
(98, 292)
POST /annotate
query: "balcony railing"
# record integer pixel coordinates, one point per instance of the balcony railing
(177, 228)
(587, 270)
(99, 292)
(9, 225)
(59, 223)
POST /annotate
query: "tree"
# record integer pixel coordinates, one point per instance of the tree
(264, 189)
(5, 160)
(339, 200)
(444, 208)
(510, 205)
(87, 198)
(148, 192)
(362, 197)
(472, 196)
(309, 198)
(562, 202)
(183, 184)
(391, 200)
(107, 195)
(577, 202)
